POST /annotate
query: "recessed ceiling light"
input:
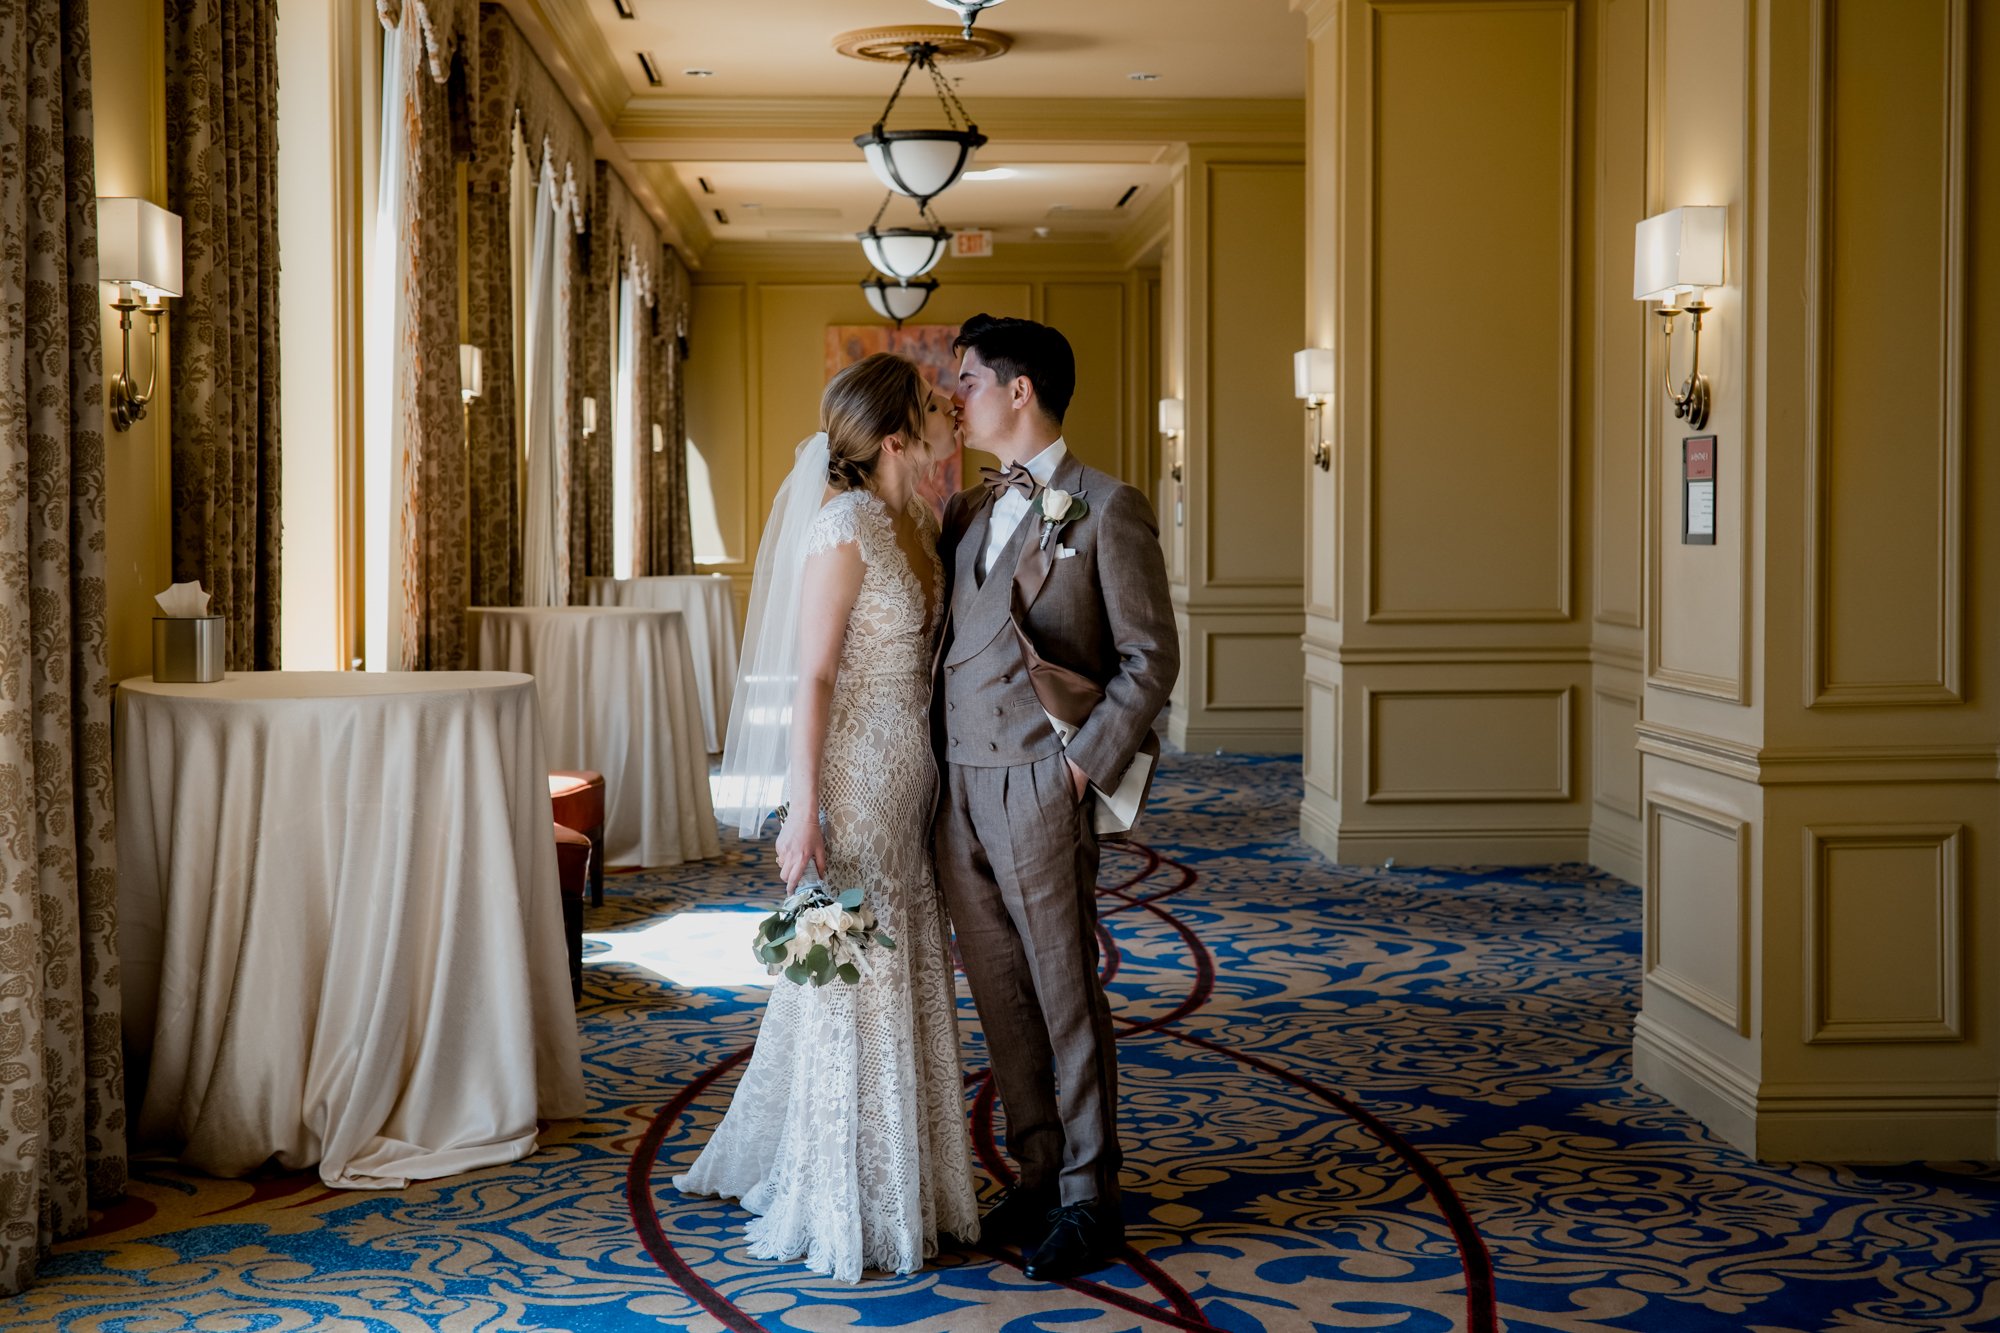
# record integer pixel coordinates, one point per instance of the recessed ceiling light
(699, 73)
(1042, 232)
(991, 174)
(1143, 78)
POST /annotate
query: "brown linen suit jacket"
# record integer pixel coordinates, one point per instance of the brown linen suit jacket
(1104, 612)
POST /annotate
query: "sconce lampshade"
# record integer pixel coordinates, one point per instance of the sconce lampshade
(1173, 416)
(903, 253)
(1312, 373)
(1676, 251)
(589, 416)
(897, 301)
(468, 371)
(139, 245)
(659, 439)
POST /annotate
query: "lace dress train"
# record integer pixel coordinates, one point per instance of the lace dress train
(847, 1134)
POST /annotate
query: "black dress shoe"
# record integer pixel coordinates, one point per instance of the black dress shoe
(1081, 1239)
(1020, 1218)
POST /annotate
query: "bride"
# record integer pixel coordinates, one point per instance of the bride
(847, 1133)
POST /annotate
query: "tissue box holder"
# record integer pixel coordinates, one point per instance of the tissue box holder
(188, 649)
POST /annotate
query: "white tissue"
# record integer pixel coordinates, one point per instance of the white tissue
(183, 601)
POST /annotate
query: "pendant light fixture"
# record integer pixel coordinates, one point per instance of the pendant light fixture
(897, 300)
(903, 253)
(967, 10)
(921, 163)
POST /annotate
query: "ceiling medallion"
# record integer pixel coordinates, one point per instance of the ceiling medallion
(891, 46)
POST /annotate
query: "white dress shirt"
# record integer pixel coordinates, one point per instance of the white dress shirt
(1012, 506)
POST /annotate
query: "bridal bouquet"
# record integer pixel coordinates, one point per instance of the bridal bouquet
(818, 936)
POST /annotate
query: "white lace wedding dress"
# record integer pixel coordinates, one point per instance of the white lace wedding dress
(847, 1133)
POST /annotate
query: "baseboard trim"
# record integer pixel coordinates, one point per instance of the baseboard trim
(1320, 832)
(1721, 1096)
(1278, 738)
(1818, 1122)
(1463, 846)
(1615, 854)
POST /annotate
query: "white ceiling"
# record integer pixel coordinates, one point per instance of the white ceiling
(1062, 48)
(831, 201)
(772, 187)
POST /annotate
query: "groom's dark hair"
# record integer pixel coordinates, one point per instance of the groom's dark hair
(1017, 347)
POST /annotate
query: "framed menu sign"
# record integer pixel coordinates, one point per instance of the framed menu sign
(1698, 490)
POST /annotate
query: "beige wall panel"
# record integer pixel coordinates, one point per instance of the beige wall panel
(1696, 905)
(1614, 751)
(1885, 543)
(1622, 324)
(718, 406)
(1092, 316)
(1884, 936)
(1322, 745)
(1256, 253)
(1469, 451)
(1698, 638)
(1474, 745)
(791, 342)
(127, 47)
(1251, 670)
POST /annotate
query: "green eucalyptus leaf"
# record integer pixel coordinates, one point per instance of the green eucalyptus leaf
(849, 973)
(883, 939)
(796, 975)
(851, 899)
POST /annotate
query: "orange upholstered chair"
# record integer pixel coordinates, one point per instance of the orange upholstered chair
(578, 798)
(572, 873)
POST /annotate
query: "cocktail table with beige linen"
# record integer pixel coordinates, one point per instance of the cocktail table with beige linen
(339, 924)
(707, 603)
(618, 697)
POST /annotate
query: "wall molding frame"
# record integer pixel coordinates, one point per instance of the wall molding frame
(1565, 787)
(1733, 1014)
(1946, 840)
(1823, 690)
(1373, 611)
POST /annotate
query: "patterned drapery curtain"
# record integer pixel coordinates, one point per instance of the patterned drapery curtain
(439, 503)
(512, 87)
(670, 540)
(222, 178)
(62, 1094)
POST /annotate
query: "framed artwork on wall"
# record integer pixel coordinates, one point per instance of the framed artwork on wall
(929, 345)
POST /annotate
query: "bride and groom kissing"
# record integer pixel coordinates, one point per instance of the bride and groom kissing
(947, 715)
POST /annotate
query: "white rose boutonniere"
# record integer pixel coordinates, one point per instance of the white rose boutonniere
(1058, 507)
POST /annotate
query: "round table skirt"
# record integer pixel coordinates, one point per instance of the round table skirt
(708, 607)
(340, 929)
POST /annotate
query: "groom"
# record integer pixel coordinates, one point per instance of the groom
(1016, 846)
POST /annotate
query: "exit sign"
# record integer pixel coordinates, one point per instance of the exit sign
(972, 245)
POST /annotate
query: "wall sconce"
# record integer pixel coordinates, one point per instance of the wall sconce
(139, 252)
(1680, 252)
(659, 439)
(589, 417)
(468, 372)
(1312, 380)
(1173, 420)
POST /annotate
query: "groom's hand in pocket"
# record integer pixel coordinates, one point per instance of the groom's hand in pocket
(1079, 780)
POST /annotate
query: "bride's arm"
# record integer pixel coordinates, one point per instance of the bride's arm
(832, 582)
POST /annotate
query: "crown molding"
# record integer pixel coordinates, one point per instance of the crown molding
(1145, 233)
(576, 48)
(649, 119)
(841, 261)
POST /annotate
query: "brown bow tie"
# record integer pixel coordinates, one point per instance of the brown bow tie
(1016, 477)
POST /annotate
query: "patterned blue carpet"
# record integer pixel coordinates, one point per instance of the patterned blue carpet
(1350, 1100)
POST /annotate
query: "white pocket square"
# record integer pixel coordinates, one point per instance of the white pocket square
(1065, 552)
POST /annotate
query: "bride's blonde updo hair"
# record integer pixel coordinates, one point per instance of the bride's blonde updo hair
(879, 395)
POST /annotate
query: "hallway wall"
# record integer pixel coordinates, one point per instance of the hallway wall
(128, 95)
(757, 361)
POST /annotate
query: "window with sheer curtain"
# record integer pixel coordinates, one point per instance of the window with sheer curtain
(625, 335)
